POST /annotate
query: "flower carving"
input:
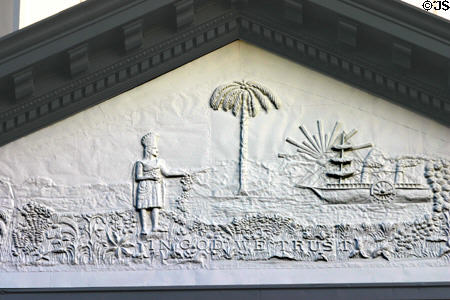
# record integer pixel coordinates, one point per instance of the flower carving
(119, 245)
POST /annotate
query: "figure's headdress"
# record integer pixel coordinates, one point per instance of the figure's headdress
(150, 140)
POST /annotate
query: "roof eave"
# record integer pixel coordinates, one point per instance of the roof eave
(94, 51)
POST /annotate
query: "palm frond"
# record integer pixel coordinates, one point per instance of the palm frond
(252, 106)
(214, 100)
(237, 105)
(261, 99)
(218, 95)
(230, 98)
(272, 98)
(239, 95)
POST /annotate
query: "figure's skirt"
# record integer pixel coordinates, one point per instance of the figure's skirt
(149, 194)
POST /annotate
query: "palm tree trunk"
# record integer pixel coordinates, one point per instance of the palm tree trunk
(243, 157)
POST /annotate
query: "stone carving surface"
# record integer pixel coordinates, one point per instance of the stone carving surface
(110, 239)
(245, 99)
(297, 209)
(45, 237)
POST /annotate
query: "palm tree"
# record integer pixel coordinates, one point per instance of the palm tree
(246, 99)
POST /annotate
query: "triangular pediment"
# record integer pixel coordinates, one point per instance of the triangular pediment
(95, 51)
(321, 176)
(240, 143)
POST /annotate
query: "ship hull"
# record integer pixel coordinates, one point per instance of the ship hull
(363, 195)
(413, 195)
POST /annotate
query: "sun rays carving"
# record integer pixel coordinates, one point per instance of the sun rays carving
(317, 145)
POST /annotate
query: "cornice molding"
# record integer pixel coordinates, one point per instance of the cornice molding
(114, 49)
(349, 68)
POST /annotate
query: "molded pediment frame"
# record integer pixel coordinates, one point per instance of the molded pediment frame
(99, 49)
(240, 167)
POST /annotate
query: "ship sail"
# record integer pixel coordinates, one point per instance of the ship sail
(341, 160)
(342, 146)
(343, 163)
(340, 174)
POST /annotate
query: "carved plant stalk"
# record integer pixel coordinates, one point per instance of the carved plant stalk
(243, 158)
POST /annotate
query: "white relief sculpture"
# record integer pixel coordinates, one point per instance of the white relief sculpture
(119, 245)
(3, 222)
(43, 236)
(318, 146)
(246, 99)
(108, 239)
(4, 234)
(30, 233)
(438, 177)
(344, 183)
(6, 193)
(149, 173)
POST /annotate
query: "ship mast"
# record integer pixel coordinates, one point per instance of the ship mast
(344, 162)
(341, 161)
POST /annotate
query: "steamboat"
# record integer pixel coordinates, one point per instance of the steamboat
(341, 190)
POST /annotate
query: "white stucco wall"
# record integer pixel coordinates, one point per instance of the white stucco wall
(84, 163)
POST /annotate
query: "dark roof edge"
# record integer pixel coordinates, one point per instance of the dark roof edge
(61, 31)
(409, 14)
(98, 49)
(70, 19)
(62, 22)
(394, 17)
